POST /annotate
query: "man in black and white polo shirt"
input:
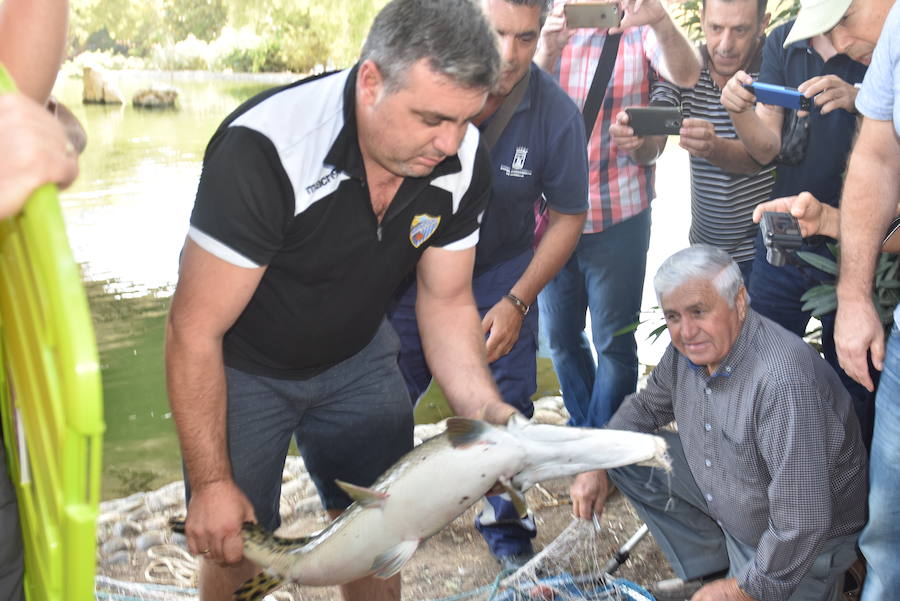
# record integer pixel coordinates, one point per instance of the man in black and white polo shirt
(315, 201)
(726, 183)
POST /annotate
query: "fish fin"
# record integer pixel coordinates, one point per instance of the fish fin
(362, 495)
(462, 431)
(177, 525)
(257, 534)
(517, 497)
(257, 587)
(389, 563)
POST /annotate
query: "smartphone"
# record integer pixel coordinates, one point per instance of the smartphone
(654, 120)
(598, 15)
(779, 95)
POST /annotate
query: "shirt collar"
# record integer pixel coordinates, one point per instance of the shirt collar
(345, 154)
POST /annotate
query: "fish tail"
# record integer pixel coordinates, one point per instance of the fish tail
(177, 525)
(257, 587)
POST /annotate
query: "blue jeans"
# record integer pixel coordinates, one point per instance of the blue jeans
(606, 276)
(775, 293)
(880, 539)
(515, 374)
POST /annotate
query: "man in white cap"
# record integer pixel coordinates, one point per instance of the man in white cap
(854, 25)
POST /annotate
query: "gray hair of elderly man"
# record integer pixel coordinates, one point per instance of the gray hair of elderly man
(700, 262)
(452, 35)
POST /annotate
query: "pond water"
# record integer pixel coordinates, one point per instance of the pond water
(126, 217)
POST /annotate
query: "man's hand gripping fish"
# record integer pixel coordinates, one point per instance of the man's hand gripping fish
(427, 489)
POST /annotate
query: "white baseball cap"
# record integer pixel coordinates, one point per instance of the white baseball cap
(815, 17)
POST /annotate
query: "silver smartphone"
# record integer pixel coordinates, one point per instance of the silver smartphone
(598, 15)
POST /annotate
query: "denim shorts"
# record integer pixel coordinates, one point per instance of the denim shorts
(351, 423)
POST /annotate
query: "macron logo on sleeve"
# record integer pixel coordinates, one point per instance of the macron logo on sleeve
(322, 181)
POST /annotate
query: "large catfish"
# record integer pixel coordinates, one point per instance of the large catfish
(427, 489)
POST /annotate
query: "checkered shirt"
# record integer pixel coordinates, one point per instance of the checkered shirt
(619, 188)
(772, 442)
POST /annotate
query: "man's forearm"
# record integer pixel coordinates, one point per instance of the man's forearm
(761, 143)
(555, 248)
(454, 348)
(195, 380)
(732, 156)
(868, 203)
(650, 149)
(682, 64)
(32, 43)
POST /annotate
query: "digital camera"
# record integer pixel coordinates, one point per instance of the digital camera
(781, 235)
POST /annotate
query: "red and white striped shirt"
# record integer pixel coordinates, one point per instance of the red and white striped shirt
(619, 188)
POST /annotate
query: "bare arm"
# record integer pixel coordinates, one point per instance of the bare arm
(867, 205)
(759, 129)
(210, 296)
(680, 61)
(699, 138)
(452, 337)
(32, 43)
(504, 320)
(554, 37)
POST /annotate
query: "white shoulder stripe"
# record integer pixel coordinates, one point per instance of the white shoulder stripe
(302, 123)
(216, 248)
(464, 243)
(458, 183)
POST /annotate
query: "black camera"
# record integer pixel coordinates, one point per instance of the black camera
(781, 235)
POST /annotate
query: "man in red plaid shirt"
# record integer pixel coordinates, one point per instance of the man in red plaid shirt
(606, 272)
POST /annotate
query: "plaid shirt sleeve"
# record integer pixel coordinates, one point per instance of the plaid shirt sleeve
(791, 437)
(651, 408)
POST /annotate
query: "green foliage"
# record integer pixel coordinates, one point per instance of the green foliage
(203, 19)
(822, 299)
(265, 35)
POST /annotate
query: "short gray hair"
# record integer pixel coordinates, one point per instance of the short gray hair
(700, 262)
(452, 35)
(544, 4)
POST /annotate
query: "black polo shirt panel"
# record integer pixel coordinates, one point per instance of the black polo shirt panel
(830, 136)
(268, 196)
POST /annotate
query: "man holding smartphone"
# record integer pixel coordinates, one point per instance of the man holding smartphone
(726, 183)
(606, 271)
(829, 78)
(537, 148)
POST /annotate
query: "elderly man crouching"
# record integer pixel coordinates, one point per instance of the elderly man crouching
(769, 478)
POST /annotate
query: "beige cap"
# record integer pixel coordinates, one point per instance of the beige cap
(815, 17)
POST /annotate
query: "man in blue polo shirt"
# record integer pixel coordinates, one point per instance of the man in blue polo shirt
(541, 151)
(831, 79)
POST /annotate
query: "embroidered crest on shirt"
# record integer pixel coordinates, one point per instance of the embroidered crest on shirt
(518, 163)
(422, 227)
